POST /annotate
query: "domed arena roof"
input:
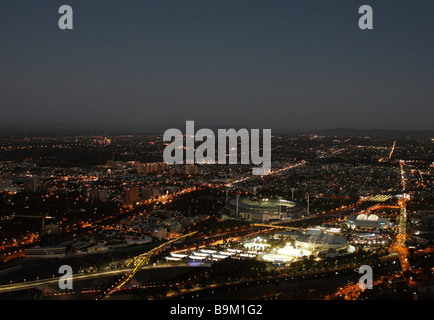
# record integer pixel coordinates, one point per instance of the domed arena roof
(362, 217)
(373, 217)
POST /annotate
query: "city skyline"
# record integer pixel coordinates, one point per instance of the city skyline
(129, 226)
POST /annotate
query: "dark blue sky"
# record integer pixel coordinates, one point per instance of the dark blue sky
(285, 65)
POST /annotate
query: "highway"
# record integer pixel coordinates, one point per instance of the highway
(139, 261)
(79, 277)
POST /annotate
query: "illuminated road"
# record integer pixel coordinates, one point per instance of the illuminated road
(290, 167)
(402, 227)
(353, 291)
(139, 261)
(393, 149)
(79, 277)
(275, 226)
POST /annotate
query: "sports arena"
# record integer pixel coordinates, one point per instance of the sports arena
(263, 210)
(318, 240)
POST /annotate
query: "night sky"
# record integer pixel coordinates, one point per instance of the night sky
(285, 65)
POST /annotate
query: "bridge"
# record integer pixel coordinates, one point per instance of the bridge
(139, 261)
(18, 286)
(275, 226)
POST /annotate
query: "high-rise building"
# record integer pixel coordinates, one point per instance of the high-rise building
(149, 193)
(32, 185)
(153, 167)
(175, 227)
(160, 233)
(191, 169)
(132, 195)
(100, 195)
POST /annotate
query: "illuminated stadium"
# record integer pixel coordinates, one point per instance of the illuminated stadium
(371, 221)
(318, 240)
(256, 209)
(286, 254)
